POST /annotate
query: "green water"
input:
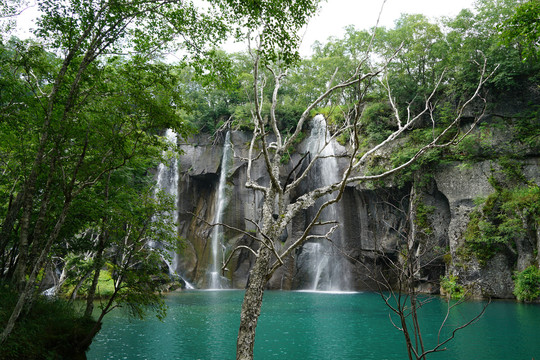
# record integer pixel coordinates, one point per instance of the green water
(304, 325)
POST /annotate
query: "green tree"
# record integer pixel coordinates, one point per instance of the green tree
(419, 64)
(475, 35)
(77, 127)
(522, 29)
(89, 98)
(99, 135)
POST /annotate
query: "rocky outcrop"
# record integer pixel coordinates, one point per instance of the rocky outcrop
(462, 186)
(372, 224)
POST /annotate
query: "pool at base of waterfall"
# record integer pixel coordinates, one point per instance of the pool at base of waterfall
(314, 325)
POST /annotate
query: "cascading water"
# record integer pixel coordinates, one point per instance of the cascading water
(327, 268)
(216, 281)
(167, 181)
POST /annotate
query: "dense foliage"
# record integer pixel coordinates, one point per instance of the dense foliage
(527, 284)
(450, 285)
(506, 217)
(450, 47)
(83, 106)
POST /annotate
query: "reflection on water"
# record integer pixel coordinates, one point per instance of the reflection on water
(313, 325)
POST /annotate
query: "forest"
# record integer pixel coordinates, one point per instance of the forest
(86, 101)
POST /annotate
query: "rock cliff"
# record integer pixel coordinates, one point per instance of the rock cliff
(375, 220)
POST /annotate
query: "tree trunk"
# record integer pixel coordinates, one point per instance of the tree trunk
(80, 283)
(251, 307)
(29, 288)
(85, 343)
(37, 240)
(98, 260)
(416, 325)
(8, 224)
(20, 268)
(98, 263)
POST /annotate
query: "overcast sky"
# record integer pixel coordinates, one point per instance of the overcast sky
(334, 15)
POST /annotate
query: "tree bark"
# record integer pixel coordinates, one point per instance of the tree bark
(20, 269)
(251, 307)
(36, 241)
(98, 263)
(80, 283)
(98, 260)
(7, 226)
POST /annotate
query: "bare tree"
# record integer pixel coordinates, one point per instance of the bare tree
(399, 280)
(277, 195)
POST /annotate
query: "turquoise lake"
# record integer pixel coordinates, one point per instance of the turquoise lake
(310, 325)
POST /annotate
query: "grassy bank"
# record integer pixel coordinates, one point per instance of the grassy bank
(51, 330)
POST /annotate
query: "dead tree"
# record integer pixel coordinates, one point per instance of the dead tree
(398, 285)
(277, 198)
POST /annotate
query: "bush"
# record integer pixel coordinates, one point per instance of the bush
(450, 285)
(527, 284)
(423, 212)
(377, 121)
(499, 220)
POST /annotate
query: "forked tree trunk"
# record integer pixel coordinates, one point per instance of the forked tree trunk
(98, 260)
(27, 293)
(251, 307)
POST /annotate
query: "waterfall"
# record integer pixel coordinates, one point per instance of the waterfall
(167, 181)
(216, 281)
(327, 268)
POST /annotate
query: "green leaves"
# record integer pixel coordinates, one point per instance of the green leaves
(502, 219)
(523, 30)
(277, 21)
(452, 287)
(527, 284)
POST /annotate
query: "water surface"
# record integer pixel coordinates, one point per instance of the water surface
(311, 325)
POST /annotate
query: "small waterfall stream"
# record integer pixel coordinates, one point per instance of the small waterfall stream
(326, 266)
(216, 281)
(167, 180)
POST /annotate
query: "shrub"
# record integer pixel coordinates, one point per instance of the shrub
(105, 286)
(527, 284)
(377, 121)
(423, 212)
(499, 220)
(450, 285)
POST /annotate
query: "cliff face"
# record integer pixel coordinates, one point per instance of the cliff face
(461, 186)
(199, 167)
(374, 223)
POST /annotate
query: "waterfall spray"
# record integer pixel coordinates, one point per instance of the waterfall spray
(327, 267)
(167, 181)
(221, 201)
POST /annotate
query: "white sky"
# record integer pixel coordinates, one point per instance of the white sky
(334, 15)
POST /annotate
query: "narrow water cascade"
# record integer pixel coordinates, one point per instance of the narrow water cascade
(327, 268)
(216, 280)
(167, 181)
(320, 261)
